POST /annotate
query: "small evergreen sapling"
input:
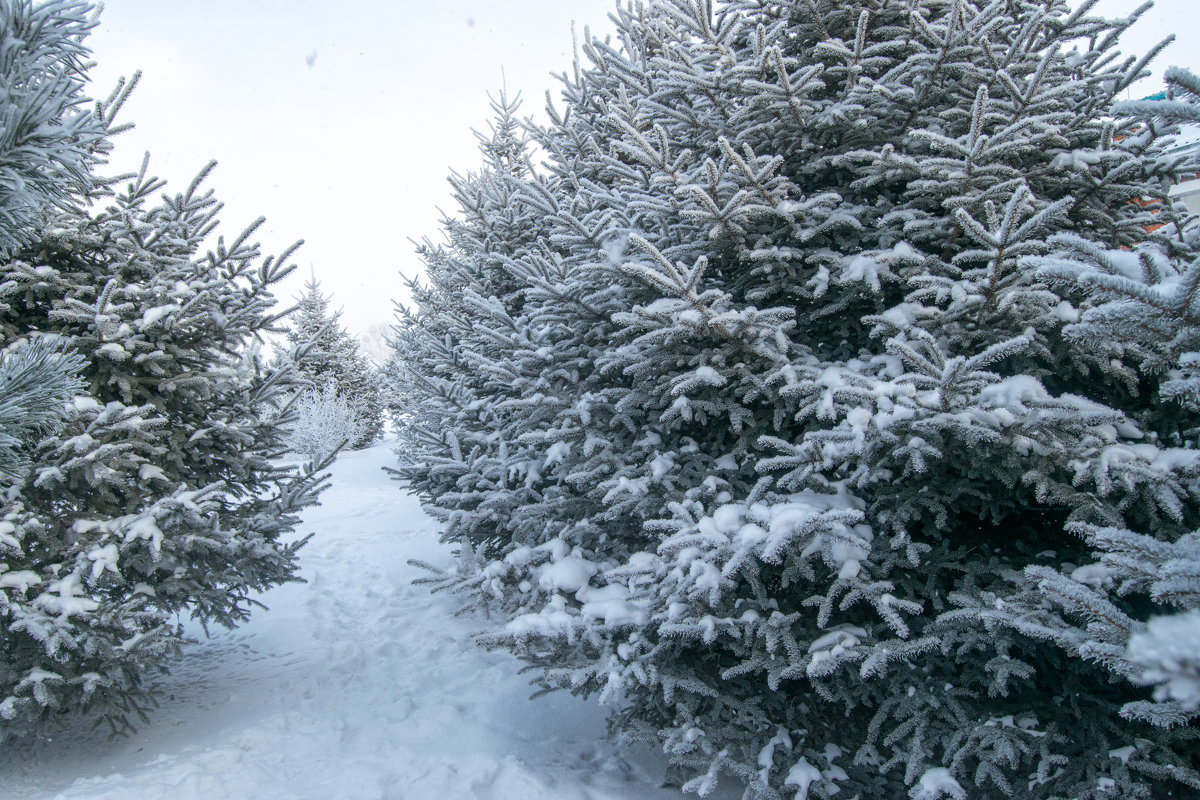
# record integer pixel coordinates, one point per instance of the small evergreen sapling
(325, 422)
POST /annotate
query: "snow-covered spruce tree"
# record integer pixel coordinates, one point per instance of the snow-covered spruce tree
(470, 309)
(153, 495)
(784, 408)
(331, 355)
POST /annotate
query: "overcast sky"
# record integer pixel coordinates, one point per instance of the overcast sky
(339, 121)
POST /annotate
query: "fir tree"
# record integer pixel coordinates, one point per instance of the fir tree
(139, 425)
(331, 356)
(826, 405)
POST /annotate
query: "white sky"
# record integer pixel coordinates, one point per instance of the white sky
(351, 154)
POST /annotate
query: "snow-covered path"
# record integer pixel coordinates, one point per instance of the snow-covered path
(356, 684)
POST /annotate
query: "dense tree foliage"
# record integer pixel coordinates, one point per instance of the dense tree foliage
(138, 424)
(825, 401)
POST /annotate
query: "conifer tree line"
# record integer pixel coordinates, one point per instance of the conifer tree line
(819, 389)
(139, 424)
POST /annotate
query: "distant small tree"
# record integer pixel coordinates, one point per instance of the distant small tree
(325, 421)
(331, 356)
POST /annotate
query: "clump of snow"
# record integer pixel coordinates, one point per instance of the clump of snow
(624, 485)
(146, 528)
(1014, 392)
(1066, 312)
(85, 403)
(709, 376)
(1123, 753)
(103, 558)
(20, 580)
(728, 518)
(1169, 653)
(568, 575)
(611, 604)
(936, 783)
(661, 465)
(832, 644)
(766, 756)
(1075, 159)
(802, 775)
(113, 350)
(866, 269)
(65, 598)
(557, 453)
(153, 315)
(1094, 575)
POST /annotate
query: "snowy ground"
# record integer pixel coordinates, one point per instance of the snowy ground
(356, 685)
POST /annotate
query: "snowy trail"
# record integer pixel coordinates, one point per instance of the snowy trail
(356, 684)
